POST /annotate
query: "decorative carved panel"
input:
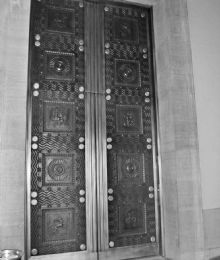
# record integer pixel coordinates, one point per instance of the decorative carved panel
(58, 224)
(58, 219)
(59, 66)
(127, 72)
(129, 119)
(125, 29)
(130, 167)
(60, 20)
(58, 116)
(132, 219)
(58, 169)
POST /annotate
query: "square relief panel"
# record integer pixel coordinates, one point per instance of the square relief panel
(127, 72)
(129, 119)
(131, 167)
(59, 66)
(60, 20)
(125, 29)
(58, 116)
(58, 224)
(58, 169)
(132, 219)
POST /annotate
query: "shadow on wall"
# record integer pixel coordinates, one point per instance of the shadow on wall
(215, 258)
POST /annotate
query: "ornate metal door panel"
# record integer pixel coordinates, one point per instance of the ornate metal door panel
(58, 222)
(132, 182)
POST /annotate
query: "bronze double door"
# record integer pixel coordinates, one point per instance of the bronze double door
(92, 185)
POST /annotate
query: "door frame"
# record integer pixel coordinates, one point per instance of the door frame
(170, 22)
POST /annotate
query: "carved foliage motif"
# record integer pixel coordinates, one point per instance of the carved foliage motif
(58, 116)
(59, 20)
(59, 66)
(125, 29)
(127, 72)
(58, 169)
(129, 119)
(58, 224)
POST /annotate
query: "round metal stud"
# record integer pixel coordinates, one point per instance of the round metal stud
(34, 194)
(35, 138)
(36, 85)
(81, 4)
(107, 51)
(151, 195)
(149, 146)
(149, 140)
(107, 45)
(37, 37)
(81, 89)
(81, 48)
(109, 140)
(82, 199)
(35, 93)
(37, 43)
(147, 100)
(39, 165)
(34, 250)
(144, 50)
(108, 91)
(142, 15)
(81, 139)
(34, 146)
(81, 96)
(110, 198)
(147, 93)
(145, 56)
(111, 244)
(81, 42)
(81, 146)
(152, 239)
(151, 188)
(82, 192)
(82, 247)
(106, 8)
(110, 191)
(109, 146)
(108, 97)
(34, 202)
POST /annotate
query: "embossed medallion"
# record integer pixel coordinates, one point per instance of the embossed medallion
(132, 219)
(125, 29)
(58, 116)
(60, 20)
(58, 169)
(127, 73)
(59, 66)
(58, 224)
(129, 119)
(131, 167)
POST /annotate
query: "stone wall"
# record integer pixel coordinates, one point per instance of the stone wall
(14, 31)
(180, 174)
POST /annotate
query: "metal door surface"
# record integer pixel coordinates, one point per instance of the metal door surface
(133, 227)
(58, 216)
(92, 178)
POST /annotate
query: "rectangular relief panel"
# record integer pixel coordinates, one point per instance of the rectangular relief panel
(58, 214)
(132, 185)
